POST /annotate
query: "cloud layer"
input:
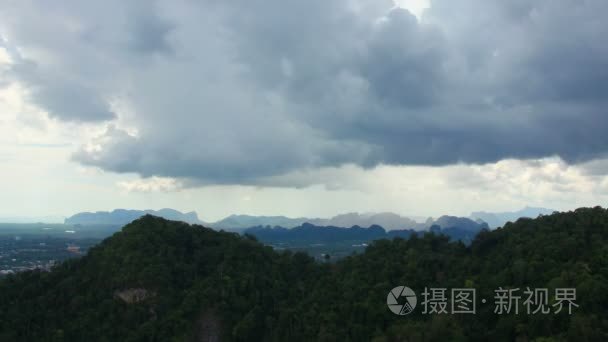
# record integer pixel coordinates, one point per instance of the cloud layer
(226, 92)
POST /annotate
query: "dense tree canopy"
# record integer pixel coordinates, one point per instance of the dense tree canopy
(159, 280)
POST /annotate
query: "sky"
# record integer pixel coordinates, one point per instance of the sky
(302, 107)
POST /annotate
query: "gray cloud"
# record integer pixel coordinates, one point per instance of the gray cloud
(147, 31)
(62, 97)
(403, 63)
(227, 92)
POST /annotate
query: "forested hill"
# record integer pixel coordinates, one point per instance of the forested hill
(160, 280)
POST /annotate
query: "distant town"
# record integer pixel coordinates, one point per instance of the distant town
(23, 253)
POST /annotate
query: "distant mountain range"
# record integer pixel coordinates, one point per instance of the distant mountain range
(247, 221)
(276, 229)
(309, 233)
(457, 228)
(495, 220)
(123, 216)
(387, 220)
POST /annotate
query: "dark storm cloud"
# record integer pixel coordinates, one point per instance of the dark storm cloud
(62, 97)
(147, 31)
(235, 92)
(403, 64)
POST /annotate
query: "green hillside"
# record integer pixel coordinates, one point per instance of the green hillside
(160, 280)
